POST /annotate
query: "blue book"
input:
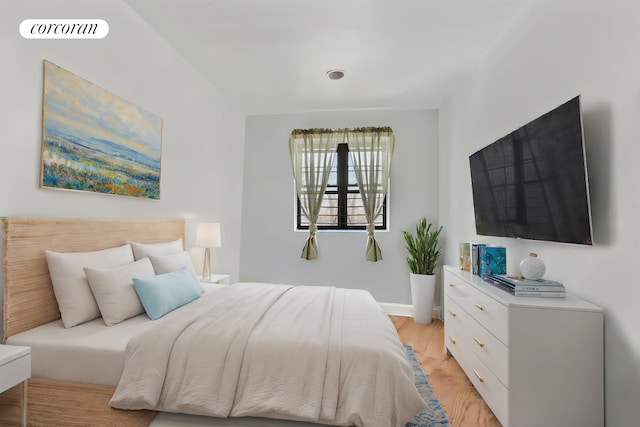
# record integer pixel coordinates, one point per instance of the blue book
(493, 260)
(475, 257)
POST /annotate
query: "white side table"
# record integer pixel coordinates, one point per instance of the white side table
(223, 279)
(15, 367)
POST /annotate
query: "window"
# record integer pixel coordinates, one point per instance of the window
(341, 207)
(315, 154)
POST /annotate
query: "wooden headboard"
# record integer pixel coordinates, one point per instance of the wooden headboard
(28, 298)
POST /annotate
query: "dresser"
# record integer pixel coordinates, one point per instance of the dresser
(535, 361)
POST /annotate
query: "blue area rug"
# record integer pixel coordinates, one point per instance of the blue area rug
(434, 415)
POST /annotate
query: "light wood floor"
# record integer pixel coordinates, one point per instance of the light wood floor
(460, 400)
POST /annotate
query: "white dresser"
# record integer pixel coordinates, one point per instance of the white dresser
(535, 361)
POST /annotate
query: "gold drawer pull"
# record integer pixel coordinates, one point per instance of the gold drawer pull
(453, 285)
(478, 376)
(453, 341)
(480, 343)
(479, 307)
(452, 313)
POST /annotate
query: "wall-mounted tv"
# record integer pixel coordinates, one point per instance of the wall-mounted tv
(533, 182)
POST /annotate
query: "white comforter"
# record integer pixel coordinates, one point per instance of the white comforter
(317, 354)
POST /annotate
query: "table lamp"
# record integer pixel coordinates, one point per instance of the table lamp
(208, 236)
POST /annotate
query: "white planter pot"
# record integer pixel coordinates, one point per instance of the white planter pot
(423, 288)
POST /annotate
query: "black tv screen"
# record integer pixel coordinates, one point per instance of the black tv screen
(532, 183)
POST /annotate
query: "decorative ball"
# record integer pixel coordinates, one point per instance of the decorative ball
(532, 267)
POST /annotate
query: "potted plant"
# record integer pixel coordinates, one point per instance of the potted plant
(423, 257)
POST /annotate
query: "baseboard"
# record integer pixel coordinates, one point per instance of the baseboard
(393, 309)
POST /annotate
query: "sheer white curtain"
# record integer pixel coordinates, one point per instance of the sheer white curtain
(312, 153)
(371, 150)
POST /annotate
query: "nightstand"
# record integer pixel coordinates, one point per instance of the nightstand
(223, 279)
(15, 367)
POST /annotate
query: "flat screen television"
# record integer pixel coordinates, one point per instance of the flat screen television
(533, 182)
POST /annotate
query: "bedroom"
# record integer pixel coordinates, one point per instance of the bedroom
(550, 53)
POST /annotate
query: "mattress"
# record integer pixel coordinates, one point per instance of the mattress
(91, 353)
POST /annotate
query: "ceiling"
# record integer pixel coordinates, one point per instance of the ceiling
(271, 56)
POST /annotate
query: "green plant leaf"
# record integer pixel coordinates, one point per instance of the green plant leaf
(422, 248)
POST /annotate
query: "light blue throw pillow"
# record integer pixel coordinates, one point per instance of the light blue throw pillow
(165, 292)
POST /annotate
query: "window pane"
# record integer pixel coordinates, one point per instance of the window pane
(352, 181)
(355, 211)
(329, 210)
(328, 215)
(333, 176)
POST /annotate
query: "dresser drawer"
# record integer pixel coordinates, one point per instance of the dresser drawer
(457, 348)
(455, 321)
(455, 288)
(491, 351)
(455, 343)
(489, 313)
(490, 388)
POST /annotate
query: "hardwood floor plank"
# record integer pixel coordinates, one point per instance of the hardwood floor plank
(460, 400)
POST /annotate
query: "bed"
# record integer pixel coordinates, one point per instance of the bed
(100, 360)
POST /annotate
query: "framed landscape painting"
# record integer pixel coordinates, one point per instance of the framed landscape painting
(93, 140)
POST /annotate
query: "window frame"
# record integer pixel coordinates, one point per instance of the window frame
(342, 190)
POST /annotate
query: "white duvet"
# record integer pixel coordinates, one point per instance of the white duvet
(316, 354)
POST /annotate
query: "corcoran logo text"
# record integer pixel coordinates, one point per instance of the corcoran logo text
(64, 29)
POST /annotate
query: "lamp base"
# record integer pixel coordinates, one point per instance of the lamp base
(206, 266)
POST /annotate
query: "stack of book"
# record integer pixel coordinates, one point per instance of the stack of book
(526, 287)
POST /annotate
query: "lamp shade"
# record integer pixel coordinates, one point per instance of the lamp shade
(208, 235)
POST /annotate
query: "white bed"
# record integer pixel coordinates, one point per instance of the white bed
(76, 369)
(90, 353)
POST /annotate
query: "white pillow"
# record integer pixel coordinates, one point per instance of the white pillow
(169, 263)
(114, 291)
(163, 264)
(144, 250)
(75, 300)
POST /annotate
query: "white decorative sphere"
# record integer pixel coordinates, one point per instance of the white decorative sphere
(532, 267)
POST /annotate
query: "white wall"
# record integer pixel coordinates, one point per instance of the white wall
(271, 248)
(553, 52)
(202, 149)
